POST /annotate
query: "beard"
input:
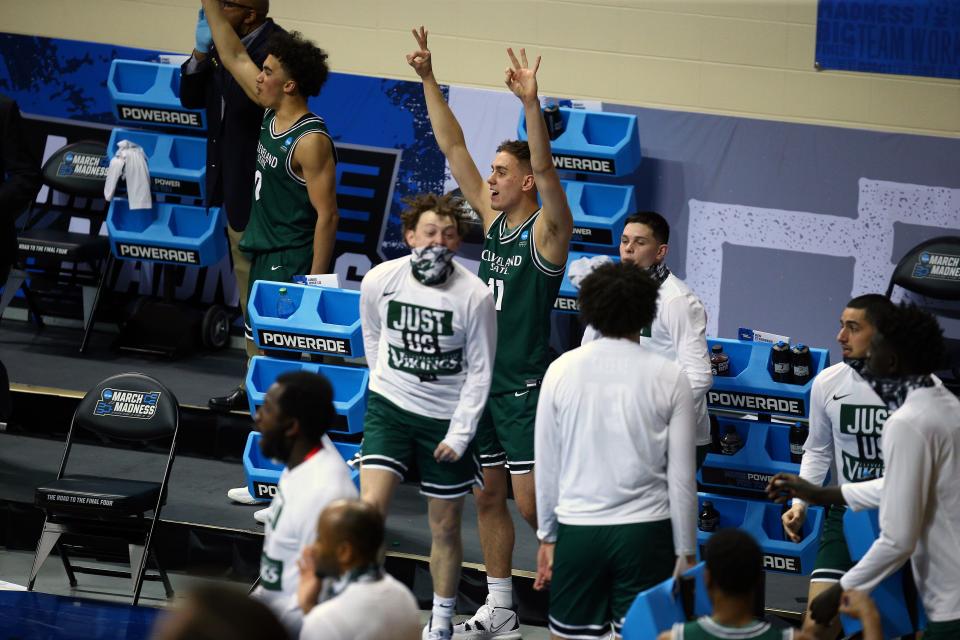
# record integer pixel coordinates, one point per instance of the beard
(276, 447)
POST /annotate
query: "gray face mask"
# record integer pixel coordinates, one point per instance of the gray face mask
(893, 390)
(432, 265)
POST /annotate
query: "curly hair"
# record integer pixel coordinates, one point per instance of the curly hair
(445, 206)
(915, 337)
(304, 62)
(618, 299)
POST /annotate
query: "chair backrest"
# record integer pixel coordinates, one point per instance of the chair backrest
(129, 406)
(931, 269)
(77, 169)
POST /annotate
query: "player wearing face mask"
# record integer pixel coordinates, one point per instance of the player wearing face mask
(846, 422)
(429, 330)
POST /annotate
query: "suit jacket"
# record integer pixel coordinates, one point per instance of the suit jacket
(233, 127)
(19, 178)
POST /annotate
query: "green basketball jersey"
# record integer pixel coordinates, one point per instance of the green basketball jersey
(524, 288)
(704, 628)
(281, 216)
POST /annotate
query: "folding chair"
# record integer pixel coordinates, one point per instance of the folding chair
(932, 270)
(75, 188)
(80, 509)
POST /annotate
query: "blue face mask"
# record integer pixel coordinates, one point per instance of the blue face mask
(432, 265)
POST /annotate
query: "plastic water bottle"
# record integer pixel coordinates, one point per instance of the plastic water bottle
(709, 518)
(285, 304)
(731, 442)
(719, 361)
(780, 353)
(554, 121)
(800, 364)
(798, 436)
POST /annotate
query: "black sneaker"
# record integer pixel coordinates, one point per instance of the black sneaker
(236, 401)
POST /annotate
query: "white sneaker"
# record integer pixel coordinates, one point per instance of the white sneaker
(262, 515)
(435, 634)
(242, 495)
(489, 622)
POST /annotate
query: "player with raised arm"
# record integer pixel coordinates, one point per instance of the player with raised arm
(523, 260)
(293, 218)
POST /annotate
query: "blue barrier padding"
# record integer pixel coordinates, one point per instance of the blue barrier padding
(263, 474)
(657, 609)
(349, 387)
(762, 521)
(566, 301)
(325, 320)
(766, 451)
(596, 143)
(148, 94)
(861, 529)
(599, 211)
(178, 164)
(169, 233)
(750, 387)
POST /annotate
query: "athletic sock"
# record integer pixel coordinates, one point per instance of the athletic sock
(501, 592)
(443, 612)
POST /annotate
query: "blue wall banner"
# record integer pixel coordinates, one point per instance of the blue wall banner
(908, 37)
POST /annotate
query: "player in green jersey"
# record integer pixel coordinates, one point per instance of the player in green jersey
(733, 574)
(293, 217)
(294, 199)
(524, 255)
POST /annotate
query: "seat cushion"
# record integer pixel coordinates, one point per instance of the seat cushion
(97, 495)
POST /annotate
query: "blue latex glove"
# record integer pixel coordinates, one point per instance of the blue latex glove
(203, 36)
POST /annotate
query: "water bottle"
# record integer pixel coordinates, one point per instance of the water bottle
(731, 442)
(554, 121)
(800, 364)
(798, 435)
(709, 518)
(719, 361)
(780, 353)
(285, 304)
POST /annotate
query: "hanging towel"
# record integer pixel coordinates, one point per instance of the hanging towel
(131, 163)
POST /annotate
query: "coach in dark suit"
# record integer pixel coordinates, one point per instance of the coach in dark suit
(233, 128)
(19, 180)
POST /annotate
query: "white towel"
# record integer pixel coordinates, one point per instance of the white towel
(131, 163)
(582, 267)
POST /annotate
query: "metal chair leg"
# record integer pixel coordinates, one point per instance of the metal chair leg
(71, 576)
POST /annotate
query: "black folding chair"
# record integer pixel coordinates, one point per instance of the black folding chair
(84, 509)
(932, 270)
(48, 251)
